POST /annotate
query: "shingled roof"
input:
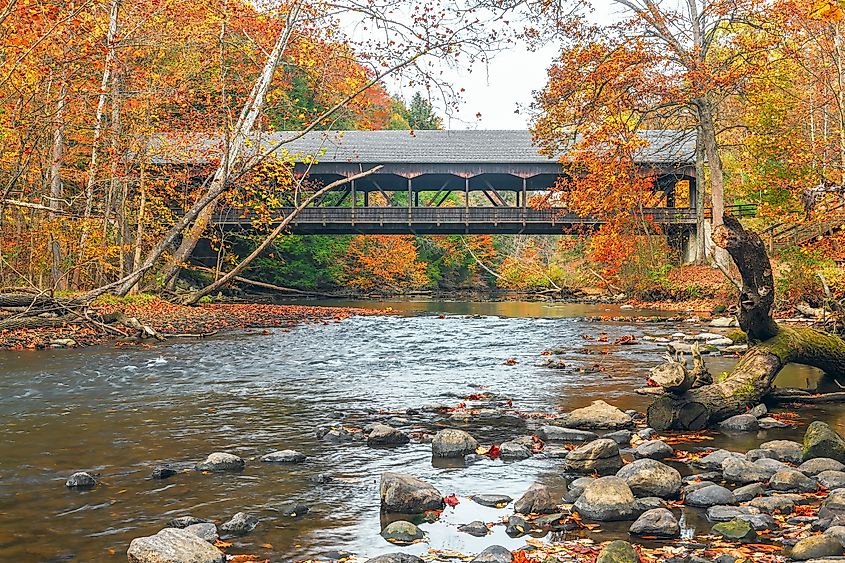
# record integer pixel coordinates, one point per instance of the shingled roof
(405, 147)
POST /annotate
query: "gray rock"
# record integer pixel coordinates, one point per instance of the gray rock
(837, 532)
(402, 533)
(723, 513)
(395, 558)
(646, 433)
(758, 411)
(649, 503)
(80, 480)
(476, 528)
(292, 509)
(517, 526)
(185, 521)
(607, 499)
(576, 488)
(654, 449)
(162, 472)
(536, 500)
(736, 530)
(493, 501)
(206, 531)
(775, 504)
(771, 465)
(513, 450)
(658, 522)
(740, 423)
(384, 435)
(792, 480)
(649, 477)
(621, 437)
(552, 433)
(715, 459)
(741, 471)
(172, 545)
(831, 479)
(240, 525)
(451, 442)
(405, 494)
(221, 461)
(710, 496)
(597, 416)
(767, 423)
(494, 554)
(785, 450)
(815, 547)
(618, 551)
(820, 440)
(284, 456)
(748, 492)
(601, 456)
(687, 489)
(817, 465)
(835, 500)
(758, 453)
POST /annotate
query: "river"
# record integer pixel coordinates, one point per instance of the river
(121, 411)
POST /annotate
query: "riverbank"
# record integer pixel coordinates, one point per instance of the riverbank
(171, 320)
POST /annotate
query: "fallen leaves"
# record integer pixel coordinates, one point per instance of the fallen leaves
(451, 500)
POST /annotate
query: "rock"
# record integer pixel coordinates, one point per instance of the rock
(607, 499)
(775, 504)
(767, 423)
(621, 437)
(742, 471)
(831, 479)
(759, 411)
(715, 459)
(748, 492)
(837, 532)
(451, 442)
(556, 522)
(649, 477)
(405, 494)
(162, 472)
(646, 433)
(80, 480)
(292, 509)
(599, 415)
(687, 489)
(576, 488)
(759, 453)
(517, 526)
(815, 547)
(395, 558)
(601, 456)
(654, 449)
(736, 530)
(338, 435)
(493, 501)
(770, 465)
(817, 465)
(785, 450)
(835, 500)
(710, 496)
(284, 456)
(321, 478)
(494, 554)
(618, 551)
(649, 503)
(384, 435)
(240, 525)
(552, 433)
(820, 440)
(172, 545)
(792, 480)
(221, 461)
(476, 528)
(722, 513)
(704, 337)
(536, 500)
(206, 531)
(513, 450)
(658, 522)
(185, 521)
(402, 533)
(740, 423)
(724, 322)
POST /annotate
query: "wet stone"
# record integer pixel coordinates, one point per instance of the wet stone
(654, 449)
(618, 551)
(740, 423)
(395, 558)
(172, 545)
(163, 472)
(724, 513)
(221, 461)
(597, 416)
(284, 456)
(792, 480)
(648, 477)
(815, 547)
(185, 521)
(819, 464)
(493, 501)
(384, 435)
(774, 504)
(80, 480)
(831, 479)
(736, 530)
(576, 488)
(649, 503)
(513, 451)
(555, 522)
(784, 450)
(206, 531)
(710, 495)
(476, 528)
(517, 526)
(536, 500)
(402, 532)
(714, 460)
(601, 456)
(494, 554)
(292, 509)
(240, 525)
(621, 437)
(552, 433)
(748, 492)
(452, 443)
(820, 440)
(658, 522)
(768, 423)
(607, 499)
(687, 489)
(405, 494)
(741, 471)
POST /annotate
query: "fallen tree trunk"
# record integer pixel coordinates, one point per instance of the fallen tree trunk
(773, 346)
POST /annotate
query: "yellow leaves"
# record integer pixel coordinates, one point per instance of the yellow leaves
(832, 10)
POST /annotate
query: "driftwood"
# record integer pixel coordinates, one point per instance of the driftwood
(772, 346)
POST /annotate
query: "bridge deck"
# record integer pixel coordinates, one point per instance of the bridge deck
(446, 220)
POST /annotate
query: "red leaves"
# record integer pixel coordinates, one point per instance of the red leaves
(510, 362)
(451, 500)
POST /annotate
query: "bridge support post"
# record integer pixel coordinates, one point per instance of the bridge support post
(683, 241)
(466, 203)
(354, 202)
(410, 201)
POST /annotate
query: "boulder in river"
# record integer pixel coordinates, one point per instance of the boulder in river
(820, 440)
(740, 423)
(494, 554)
(536, 500)
(736, 530)
(816, 547)
(221, 461)
(162, 472)
(831, 479)
(792, 480)
(513, 450)
(284, 456)
(817, 465)
(384, 435)
(493, 501)
(597, 416)
(601, 456)
(654, 449)
(607, 499)
(741, 471)
(172, 545)
(708, 496)
(405, 494)
(723, 513)
(576, 488)
(205, 530)
(618, 551)
(395, 558)
(621, 437)
(775, 504)
(475, 528)
(185, 521)
(80, 480)
(749, 492)
(452, 442)
(649, 477)
(292, 509)
(658, 522)
(402, 532)
(714, 460)
(784, 450)
(239, 525)
(552, 433)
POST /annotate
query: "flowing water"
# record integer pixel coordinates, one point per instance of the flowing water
(119, 412)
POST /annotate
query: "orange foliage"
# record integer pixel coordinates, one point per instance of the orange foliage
(384, 261)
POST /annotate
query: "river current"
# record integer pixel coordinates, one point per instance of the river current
(118, 412)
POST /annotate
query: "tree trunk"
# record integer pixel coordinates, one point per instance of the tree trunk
(752, 378)
(58, 280)
(700, 239)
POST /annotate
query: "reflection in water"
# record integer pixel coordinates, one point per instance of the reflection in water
(119, 412)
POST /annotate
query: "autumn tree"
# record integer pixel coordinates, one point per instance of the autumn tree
(384, 262)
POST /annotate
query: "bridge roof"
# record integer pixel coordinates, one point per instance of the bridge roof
(413, 147)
